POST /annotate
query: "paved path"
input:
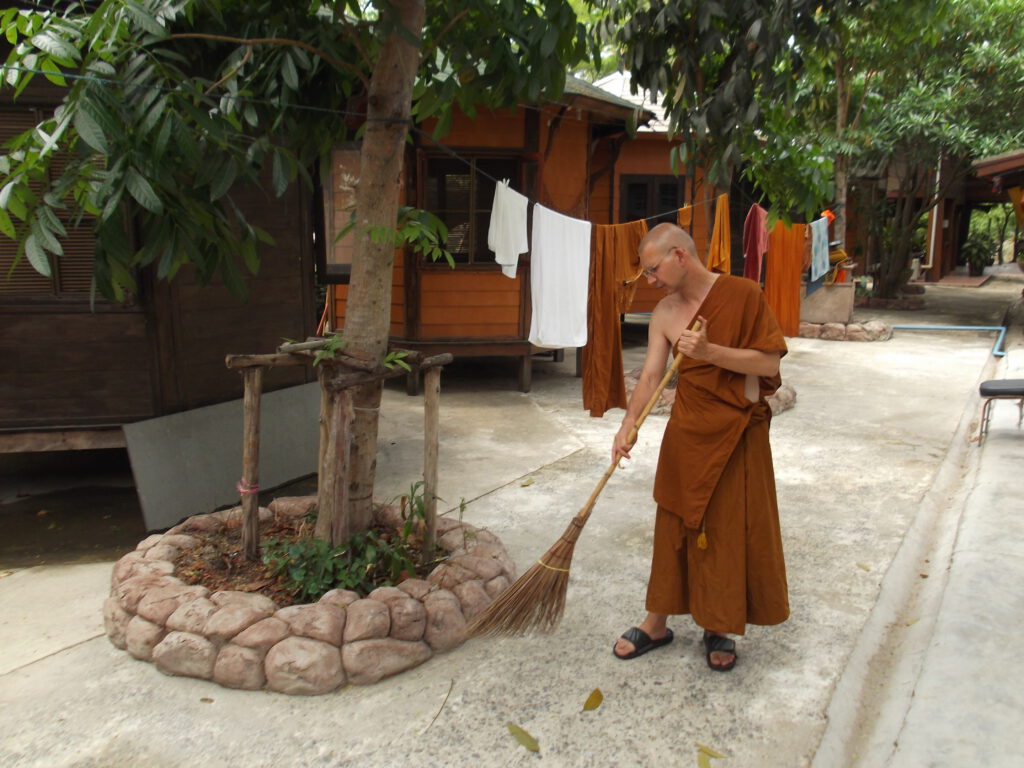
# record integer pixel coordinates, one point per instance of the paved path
(876, 482)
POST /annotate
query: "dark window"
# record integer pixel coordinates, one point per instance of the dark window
(643, 197)
(460, 193)
(71, 274)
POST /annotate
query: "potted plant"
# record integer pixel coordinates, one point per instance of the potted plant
(977, 252)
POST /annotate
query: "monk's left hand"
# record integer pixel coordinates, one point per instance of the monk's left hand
(694, 344)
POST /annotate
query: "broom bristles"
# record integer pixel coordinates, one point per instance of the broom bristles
(536, 600)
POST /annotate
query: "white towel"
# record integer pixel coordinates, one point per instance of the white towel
(506, 235)
(819, 248)
(559, 277)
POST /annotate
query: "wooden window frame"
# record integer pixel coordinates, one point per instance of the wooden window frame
(651, 182)
(480, 257)
(47, 291)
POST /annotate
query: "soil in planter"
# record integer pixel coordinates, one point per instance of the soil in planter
(217, 562)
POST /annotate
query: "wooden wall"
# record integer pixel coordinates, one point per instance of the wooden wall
(339, 292)
(69, 366)
(64, 365)
(648, 154)
(470, 304)
(197, 326)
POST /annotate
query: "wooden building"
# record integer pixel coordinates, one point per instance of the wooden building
(561, 155)
(73, 374)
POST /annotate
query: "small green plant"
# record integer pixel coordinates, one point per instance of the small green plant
(311, 567)
(396, 359)
(412, 507)
(332, 345)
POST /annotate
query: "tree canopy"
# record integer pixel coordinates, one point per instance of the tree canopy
(169, 105)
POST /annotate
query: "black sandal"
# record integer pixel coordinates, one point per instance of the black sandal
(718, 644)
(642, 642)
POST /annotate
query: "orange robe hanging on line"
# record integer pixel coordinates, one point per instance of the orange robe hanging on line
(693, 218)
(614, 273)
(715, 471)
(719, 259)
(784, 263)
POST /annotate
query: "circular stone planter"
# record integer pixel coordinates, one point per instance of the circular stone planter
(244, 640)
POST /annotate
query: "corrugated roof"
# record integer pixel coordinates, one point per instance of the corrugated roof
(618, 84)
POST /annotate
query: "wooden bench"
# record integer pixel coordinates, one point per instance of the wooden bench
(1000, 389)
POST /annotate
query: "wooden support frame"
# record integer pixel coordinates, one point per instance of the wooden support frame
(337, 376)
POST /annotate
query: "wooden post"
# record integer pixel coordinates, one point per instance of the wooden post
(328, 469)
(248, 488)
(325, 399)
(431, 439)
(332, 522)
(341, 526)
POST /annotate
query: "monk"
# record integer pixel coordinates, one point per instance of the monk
(717, 545)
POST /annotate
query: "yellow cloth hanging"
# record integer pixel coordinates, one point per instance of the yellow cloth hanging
(1018, 204)
(721, 243)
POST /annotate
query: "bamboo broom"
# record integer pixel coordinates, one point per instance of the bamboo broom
(536, 600)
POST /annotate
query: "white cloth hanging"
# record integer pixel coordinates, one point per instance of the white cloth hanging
(506, 235)
(559, 278)
(820, 263)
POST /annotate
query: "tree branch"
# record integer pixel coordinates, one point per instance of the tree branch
(245, 58)
(442, 33)
(277, 41)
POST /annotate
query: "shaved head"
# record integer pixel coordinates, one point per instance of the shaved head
(667, 235)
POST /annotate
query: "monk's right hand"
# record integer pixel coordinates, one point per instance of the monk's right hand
(622, 444)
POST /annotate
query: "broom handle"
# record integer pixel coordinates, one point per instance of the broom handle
(584, 513)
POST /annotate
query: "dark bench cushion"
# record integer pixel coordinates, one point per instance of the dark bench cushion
(1002, 388)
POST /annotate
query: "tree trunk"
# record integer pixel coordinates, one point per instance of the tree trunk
(368, 314)
(842, 115)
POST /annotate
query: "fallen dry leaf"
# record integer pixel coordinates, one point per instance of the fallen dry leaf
(593, 700)
(523, 737)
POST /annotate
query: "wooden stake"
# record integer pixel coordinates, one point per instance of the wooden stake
(431, 440)
(328, 471)
(321, 375)
(252, 379)
(341, 527)
(332, 522)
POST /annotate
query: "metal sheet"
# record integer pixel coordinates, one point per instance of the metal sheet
(188, 463)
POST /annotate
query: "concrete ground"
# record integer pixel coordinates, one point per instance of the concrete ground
(903, 545)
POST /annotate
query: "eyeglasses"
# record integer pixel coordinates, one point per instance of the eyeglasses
(652, 271)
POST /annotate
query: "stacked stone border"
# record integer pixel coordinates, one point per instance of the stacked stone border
(873, 330)
(244, 640)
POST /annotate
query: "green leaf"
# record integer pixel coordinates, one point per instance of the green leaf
(523, 737)
(222, 181)
(593, 700)
(289, 73)
(279, 174)
(53, 45)
(143, 193)
(36, 256)
(144, 19)
(90, 131)
(52, 72)
(45, 237)
(6, 225)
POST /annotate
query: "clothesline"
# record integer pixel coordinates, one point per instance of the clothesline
(487, 176)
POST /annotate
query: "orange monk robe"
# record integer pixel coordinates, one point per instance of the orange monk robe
(1017, 198)
(614, 274)
(719, 248)
(784, 263)
(693, 219)
(715, 472)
